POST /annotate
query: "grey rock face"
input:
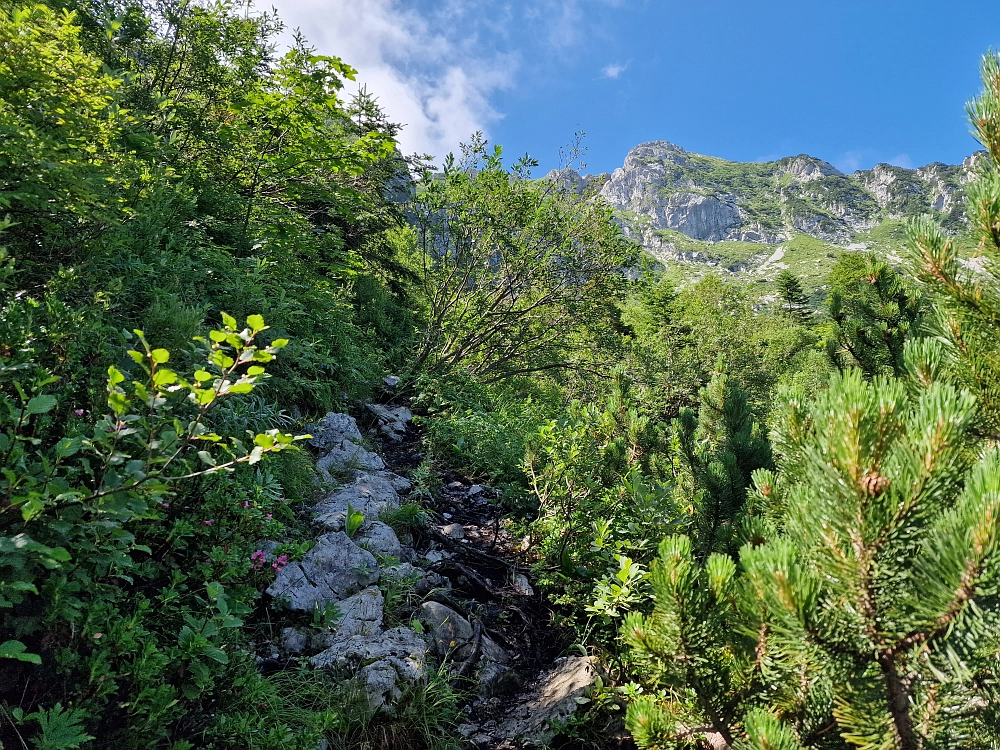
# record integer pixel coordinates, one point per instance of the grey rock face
(338, 438)
(805, 168)
(383, 662)
(662, 187)
(378, 538)
(370, 494)
(330, 572)
(571, 181)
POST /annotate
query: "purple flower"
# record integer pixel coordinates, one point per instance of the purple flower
(268, 516)
(281, 562)
(207, 523)
(78, 412)
(258, 559)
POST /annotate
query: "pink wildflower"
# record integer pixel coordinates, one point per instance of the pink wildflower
(207, 523)
(281, 562)
(258, 558)
(97, 636)
(78, 412)
(268, 516)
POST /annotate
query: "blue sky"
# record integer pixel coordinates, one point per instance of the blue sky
(852, 82)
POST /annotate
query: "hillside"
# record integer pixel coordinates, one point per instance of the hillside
(693, 212)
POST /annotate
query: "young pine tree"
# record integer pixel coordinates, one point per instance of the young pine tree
(793, 299)
(874, 312)
(966, 293)
(867, 614)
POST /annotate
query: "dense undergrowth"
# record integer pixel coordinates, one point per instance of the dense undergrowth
(775, 525)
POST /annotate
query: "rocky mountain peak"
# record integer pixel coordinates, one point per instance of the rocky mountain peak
(663, 188)
(805, 168)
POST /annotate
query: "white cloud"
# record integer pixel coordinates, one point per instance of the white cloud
(427, 73)
(851, 161)
(901, 160)
(613, 71)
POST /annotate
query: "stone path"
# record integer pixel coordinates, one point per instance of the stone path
(478, 613)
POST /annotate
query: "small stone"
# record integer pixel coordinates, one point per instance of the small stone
(447, 516)
(391, 381)
(475, 489)
(452, 635)
(436, 555)
(454, 531)
(522, 586)
(455, 485)
(293, 641)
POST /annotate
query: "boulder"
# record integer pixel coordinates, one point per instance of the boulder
(453, 531)
(333, 430)
(383, 662)
(378, 538)
(370, 494)
(338, 440)
(345, 458)
(398, 483)
(521, 585)
(453, 635)
(328, 573)
(392, 420)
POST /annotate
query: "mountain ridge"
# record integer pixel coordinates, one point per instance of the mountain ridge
(661, 186)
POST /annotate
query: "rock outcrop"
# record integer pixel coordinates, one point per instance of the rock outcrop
(662, 188)
(339, 577)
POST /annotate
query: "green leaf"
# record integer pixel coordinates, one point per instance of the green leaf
(159, 356)
(41, 404)
(228, 321)
(202, 375)
(217, 654)
(256, 323)
(17, 650)
(68, 446)
(114, 376)
(60, 728)
(279, 343)
(255, 371)
(164, 377)
(136, 356)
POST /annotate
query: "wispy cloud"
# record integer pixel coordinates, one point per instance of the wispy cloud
(613, 70)
(426, 71)
(437, 65)
(901, 160)
(852, 160)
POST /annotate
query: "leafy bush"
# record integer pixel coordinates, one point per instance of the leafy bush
(126, 544)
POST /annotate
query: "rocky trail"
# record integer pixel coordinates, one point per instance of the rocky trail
(467, 604)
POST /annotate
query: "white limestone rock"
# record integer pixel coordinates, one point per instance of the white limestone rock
(328, 573)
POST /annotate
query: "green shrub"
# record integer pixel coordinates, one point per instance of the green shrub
(127, 566)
